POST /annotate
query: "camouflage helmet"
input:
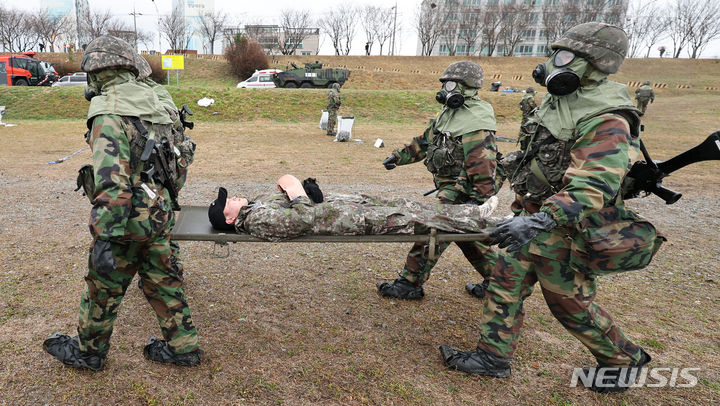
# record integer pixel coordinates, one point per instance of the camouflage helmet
(603, 45)
(336, 86)
(144, 68)
(109, 52)
(530, 90)
(468, 73)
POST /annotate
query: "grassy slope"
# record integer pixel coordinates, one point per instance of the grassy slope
(382, 89)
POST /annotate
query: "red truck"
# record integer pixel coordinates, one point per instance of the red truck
(25, 70)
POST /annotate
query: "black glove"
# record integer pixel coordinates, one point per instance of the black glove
(102, 256)
(518, 231)
(390, 162)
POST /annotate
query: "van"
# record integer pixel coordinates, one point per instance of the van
(261, 79)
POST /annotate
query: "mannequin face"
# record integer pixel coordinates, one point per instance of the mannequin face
(232, 208)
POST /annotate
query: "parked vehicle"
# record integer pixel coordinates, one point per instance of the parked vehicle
(312, 75)
(24, 70)
(261, 79)
(72, 80)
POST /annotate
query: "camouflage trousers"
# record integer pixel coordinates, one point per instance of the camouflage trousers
(642, 104)
(570, 296)
(418, 267)
(332, 121)
(162, 288)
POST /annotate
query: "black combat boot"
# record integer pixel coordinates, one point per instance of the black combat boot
(475, 362)
(160, 351)
(619, 379)
(67, 350)
(477, 289)
(401, 288)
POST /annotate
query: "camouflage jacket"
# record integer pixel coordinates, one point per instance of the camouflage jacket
(527, 104)
(645, 92)
(475, 181)
(274, 217)
(124, 207)
(334, 101)
(596, 162)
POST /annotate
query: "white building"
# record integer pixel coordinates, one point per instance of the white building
(271, 36)
(507, 27)
(192, 11)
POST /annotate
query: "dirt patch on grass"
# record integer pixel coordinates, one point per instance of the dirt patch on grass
(301, 323)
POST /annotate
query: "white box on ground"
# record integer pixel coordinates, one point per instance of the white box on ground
(344, 132)
(379, 143)
(323, 120)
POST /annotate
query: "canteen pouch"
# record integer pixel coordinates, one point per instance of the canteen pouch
(86, 181)
(613, 240)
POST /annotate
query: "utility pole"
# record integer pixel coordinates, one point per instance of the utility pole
(135, 14)
(394, 25)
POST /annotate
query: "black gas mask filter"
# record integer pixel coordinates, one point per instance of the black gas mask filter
(450, 95)
(559, 79)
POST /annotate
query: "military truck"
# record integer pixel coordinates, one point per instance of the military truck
(313, 75)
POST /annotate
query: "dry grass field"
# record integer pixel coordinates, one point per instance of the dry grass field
(301, 324)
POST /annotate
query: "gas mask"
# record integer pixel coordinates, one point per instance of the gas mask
(91, 89)
(453, 94)
(561, 74)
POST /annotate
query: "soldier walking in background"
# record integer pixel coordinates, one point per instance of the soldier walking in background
(333, 106)
(131, 215)
(570, 174)
(459, 149)
(643, 95)
(527, 104)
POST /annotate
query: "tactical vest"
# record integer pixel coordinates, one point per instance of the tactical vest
(445, 156)
(536, 173)
(645, 92)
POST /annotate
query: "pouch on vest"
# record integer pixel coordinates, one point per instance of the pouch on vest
(445, 156)
(86, 181)
(613, 240)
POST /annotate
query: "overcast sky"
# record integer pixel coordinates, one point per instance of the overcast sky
(246, 11)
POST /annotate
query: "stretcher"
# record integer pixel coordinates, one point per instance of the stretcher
(193, 225)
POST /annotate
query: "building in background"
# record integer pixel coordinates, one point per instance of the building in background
(192, 11)
(271, 37)
(505, 27)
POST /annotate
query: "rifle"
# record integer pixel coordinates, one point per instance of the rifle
(184, 112)
(646, 176)
(156, 154)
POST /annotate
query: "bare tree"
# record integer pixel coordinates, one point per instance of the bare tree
(517, 20)
(330, 24)
(348, 23)
(294, 29)
(427, 25)
(369, 16)
(471, 17)
(558, 16)
(268, 36)
(16, 30)
(705, 27)
(450, 26)
(384, 27)
(491, 27)
(173, 27)
(48, 27)
(95, 23)
(210, 25)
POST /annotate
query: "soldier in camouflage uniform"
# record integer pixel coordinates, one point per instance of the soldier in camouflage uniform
(130, 217)
(333, 106)
(527, 104)
(572, 169)
(643, 95)
(459, 149)
(281, 215)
